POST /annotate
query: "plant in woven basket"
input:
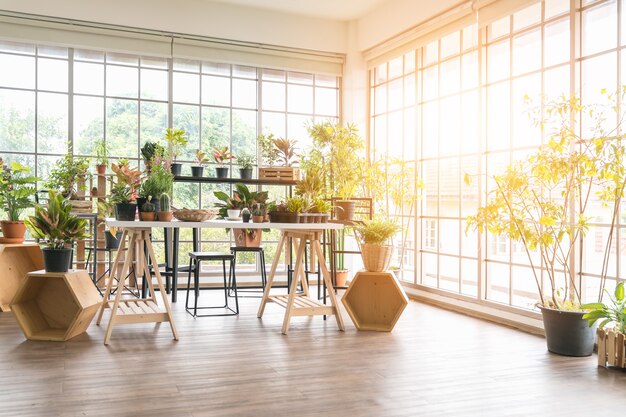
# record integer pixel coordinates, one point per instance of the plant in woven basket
(373, 237)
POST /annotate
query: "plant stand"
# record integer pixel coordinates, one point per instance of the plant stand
(16, 261)
(301, 304)
(611, 348)
(375, 301)
(135, 310)
(55, 306)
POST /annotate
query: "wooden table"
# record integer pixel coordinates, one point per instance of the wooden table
(143, 310)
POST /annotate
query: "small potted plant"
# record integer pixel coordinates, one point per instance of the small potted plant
(374, 236)
(165, 212)
(124, 192)
(17, 187)
(112, 234)
(295, 208)
(69, 177)
(221, 156)
(201, 161)
(246, 215)
(102, 156)
(176, 140)
(159, 181)
(148, 211)
(150, 151)
(281, 152)
(258, 213)
(245, 162)
(59, 229)
(322, 208)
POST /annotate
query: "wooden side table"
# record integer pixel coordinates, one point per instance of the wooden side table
(16, 260)
(55, 306)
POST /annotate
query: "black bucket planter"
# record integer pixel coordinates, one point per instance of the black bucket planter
(176, 169)
(110, 241)
(567, 333)
(125, 212)
(57, 260)
(140, 202)
(221, 172)
(197, 172)
(245, 173)
(156, 203)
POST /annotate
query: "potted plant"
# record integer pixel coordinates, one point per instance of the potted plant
(242, 198)
(17, 187)
(296, 207)
(148, 211)
(102, 156)
(160, 180)
(337, 157)
(611, 339)
(165, 212)
(221, 156)
(69, 178)
(374, 236)
(541, 202)
(58, 228)
(201, 161)
(258, 213)
(279, 156)
(245, 162)
(150, 151)
(112, 234)
(124, 191)
(176, 140)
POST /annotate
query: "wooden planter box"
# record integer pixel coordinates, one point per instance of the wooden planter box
(279, 174)
(611, 348)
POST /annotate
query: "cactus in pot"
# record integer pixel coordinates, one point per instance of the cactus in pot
(148, 211)
(165, 214)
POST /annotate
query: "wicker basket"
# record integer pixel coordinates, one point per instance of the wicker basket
(188, 215)
(376, 258)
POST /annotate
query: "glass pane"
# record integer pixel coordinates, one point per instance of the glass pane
(215, 68)
(470, 70)
(498, 114)
(188, 118)
(244, 94)
(186, 88)
(430, 87)
(88, 78)
(409, 90)
(83, 55)
(450, 45)
(430, 201)
(527, 52)
(244, 131)
(216, 90)
(470, 120)
(499, 28)
(449, 193)
(449, 272)
(525, 293)
(186, 65)
(273, 96)
(273, 75)
(153, 118)
(274, 123)
(300, 78)
(470, 37)
(154, 63)
(122, 81)
(556, 82)
(299, 99)
(450, 129)
(599, 28)
(557, 42)
(525, 131)
(469, 277)
(154, 84)
(527, 17)
(325, 81)
(429, 270)
(409, 62)
(113, 58)
(17, 71)
(296, 130)
(52, 75)
(122, 127)
(88, 123)
(381, 73)
(325, 101)
(431, 53)
(555, 7)
(469, 199)
(450, 77)
(395, 67)
(52, 123)
(498, 282)
(215, 127)
(395, 94)
(430, 129)
(498, 61)
(17, 121)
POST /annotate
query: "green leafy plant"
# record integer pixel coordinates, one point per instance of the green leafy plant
(319, 205)
(242, 198)
(298, 205)
(17, 187)
(201, 158)
(68, 175)
(150, 150)
(160, 180)
(269, 152)
(286, 151)
(222, 155)
(55, 224)
(246, 160)
(127, 182)
(312, 183)
(377, 231)
(258, 210)
(101, 149)
(176, 140)
(164, 202)
(615, 313)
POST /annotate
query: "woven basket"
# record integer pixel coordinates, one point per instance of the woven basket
(188, 215)
(376, 258)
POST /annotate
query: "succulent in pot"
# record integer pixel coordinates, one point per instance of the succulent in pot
(59, 229)
(148, 211)
(201, 160)
(258, 213)
(374, 238)
(17, 187)
(165, 212)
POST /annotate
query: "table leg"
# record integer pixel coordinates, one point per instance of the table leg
(168, 265)
(299, 269)
(175, 264)
(315, 244)
(112, 270)
(270, 279)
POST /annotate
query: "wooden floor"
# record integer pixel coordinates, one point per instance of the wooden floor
(435, 363)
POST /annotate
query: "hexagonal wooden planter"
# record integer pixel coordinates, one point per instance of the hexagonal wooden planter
(55, 306)
(375, 301)
(15, 262)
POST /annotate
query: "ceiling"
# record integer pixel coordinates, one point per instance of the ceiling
(329, 9)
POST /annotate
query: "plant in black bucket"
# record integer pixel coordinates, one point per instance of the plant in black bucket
(59, 229)
(176, 141)
(201, 161)
(112, 234)
(124, 192)
(222, 156)
(246, 163)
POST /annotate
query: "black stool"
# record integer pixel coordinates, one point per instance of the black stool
(195, 259)
(258, 250)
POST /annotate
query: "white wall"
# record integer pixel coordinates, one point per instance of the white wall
(198, 17)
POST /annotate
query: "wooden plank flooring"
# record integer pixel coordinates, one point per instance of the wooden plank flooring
(435, 363)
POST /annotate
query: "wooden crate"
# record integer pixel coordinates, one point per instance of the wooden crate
(611, 348)
(16, 260)
(279, 174)
(55, 306)
(375, 301)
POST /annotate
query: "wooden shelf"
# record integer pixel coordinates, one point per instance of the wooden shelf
(134, 310)
(303, 305)
(212, 180)
(55, 306)
(15, 262)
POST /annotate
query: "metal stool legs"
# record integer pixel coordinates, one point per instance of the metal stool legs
(195, 264)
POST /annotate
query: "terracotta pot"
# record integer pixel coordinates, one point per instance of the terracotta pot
(101, 169)
(148, 216)
(258, 219)
(345, 209)
(247, 238)
(342, 278)
(165, 216)
(13, 230)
